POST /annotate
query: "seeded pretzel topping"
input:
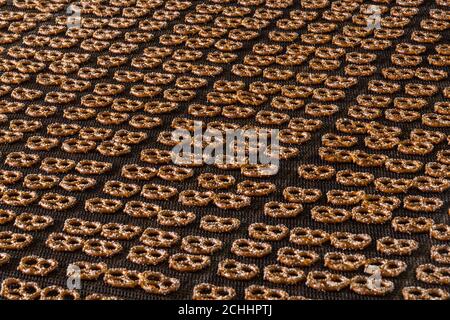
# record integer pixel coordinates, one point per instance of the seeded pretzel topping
(36, 266)
(419, 293)
(206, 291)
(16, 289)
(235, 270)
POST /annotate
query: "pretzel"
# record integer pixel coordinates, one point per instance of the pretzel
(174, 218)
(250, 248)
(376, 201)
(388, 185)
(57, 202)
(16, 289)
(217, 224)
(144, 122)
(18, 198)
(264, 232)
(437, 170)
(76, 183)
(311, 172)
(121, 278)
(120, 189)
(30, 222)
(146, 255)
(302, 124)
(158, 238)
(440, 253)
(325, 281)
(91, 167)
(440, 232)
(387, 268)
(412, 225)
(296, 258)
(351, 126)
(101, 248)
(412, 147)
(296, 194)
(419, 293)
(199, 110)
(103, 206)
(78, 146)
(432, 274)
(7, 216)
(21, 160)
(9, 177)
(64, 243)
(343, 262)
(256, 292)
(352, 178)
(10, 137)
(139, 209)
(173, 173)
(116, 231)
(75, 113)
(361, 285)
(57, 165)
(158, 283)
(36, 266)
(95, 134)
(158, 192)
(40, 182)
(182, 262)
(345, 198)
(283, 275)
(230, 201)
(403, 165)
(213, 182)
(88, 270)
(306, 236)
(206, 291)
(59, 293)
(282, 210)
(200, 245)
(419, 203)
(371, 214)
(350, 241)
(235, 270)
(111, 118)
(430, 184)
